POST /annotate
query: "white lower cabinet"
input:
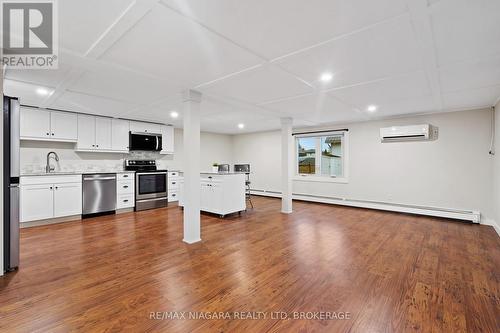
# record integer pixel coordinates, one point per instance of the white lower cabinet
(37, 202)
(45, 197)
(125, 190)
(219, 194)
(173, 186)
(67, 199)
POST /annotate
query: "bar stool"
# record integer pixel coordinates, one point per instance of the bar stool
(248, 191)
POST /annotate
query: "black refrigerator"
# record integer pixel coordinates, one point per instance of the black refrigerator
(11, 137)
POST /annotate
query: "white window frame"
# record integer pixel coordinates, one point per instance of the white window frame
(318, 177)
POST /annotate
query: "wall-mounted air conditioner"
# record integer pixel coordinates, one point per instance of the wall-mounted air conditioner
(407, 133)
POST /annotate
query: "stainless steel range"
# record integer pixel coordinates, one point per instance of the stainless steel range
(151, 189)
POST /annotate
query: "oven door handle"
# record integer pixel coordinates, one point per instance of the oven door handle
(150, 173)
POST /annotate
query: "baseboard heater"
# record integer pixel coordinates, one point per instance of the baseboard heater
(465, 215)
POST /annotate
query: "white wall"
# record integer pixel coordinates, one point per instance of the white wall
(215, 148)
(454, 171)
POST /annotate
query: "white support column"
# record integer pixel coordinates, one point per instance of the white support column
(287, 149)
(191, 166)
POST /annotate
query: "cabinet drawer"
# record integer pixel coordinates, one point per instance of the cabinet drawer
(125, 201)
(125, 187)
(173, 184)
(125, 176)
(173, 174)
(173, 196)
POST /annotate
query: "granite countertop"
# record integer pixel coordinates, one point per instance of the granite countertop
(64, 173)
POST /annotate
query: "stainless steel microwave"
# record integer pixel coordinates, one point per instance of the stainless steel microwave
(145, 141)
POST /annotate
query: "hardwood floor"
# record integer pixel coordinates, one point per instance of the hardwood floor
(391, 272)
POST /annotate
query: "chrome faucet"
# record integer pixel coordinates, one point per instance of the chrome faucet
(49, 168)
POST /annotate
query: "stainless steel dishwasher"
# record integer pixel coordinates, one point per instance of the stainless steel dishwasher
(99, 193)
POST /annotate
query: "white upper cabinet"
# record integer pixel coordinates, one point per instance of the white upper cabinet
(91, 133)
(64, 125)
(86, 132)
(120, 135)
(94, 133)
(35, 123)
(167, 134)
(103, 133)
(39, 124)
(137, 126)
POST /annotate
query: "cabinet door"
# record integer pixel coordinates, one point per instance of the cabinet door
(37, 202)
(205, 197)
(64, 125)
(103, 136)
(138, 126)
(120, 138)
(67, 199)
(86, 132)
(167, 134)
(216, 201)
(35, 123)
(153, 128)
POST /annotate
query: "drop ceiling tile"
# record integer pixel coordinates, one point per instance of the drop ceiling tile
(278, 27)
(317, 108)
(49, 78)
(77, 102)
(25, 91)
(470, 76)
(260, 125)
(385, 50)
(414, 105)
(477, 98)
(123, 86)
(385, 91)
(230, 126)
(81, 23)
(168, 45)
(259, 85)
(465, 30)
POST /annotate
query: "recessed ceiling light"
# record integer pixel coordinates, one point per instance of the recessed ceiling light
(174, 114)
(42, 91)
(326, 77)
(241, 126)
(372, 108)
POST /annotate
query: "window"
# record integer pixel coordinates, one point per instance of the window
(307, 155)
(322, 157)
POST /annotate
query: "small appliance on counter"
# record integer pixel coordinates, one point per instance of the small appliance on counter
(150, 184)
(223, 168)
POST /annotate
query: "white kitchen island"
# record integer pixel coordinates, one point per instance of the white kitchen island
(221, 193)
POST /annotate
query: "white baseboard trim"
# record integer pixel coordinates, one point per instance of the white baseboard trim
(472, 216)
(191, 241)
(50, 221)
(494, 224)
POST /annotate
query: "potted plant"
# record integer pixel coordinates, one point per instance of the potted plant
(215, 167)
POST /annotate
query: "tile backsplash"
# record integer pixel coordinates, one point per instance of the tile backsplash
(34, 158)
